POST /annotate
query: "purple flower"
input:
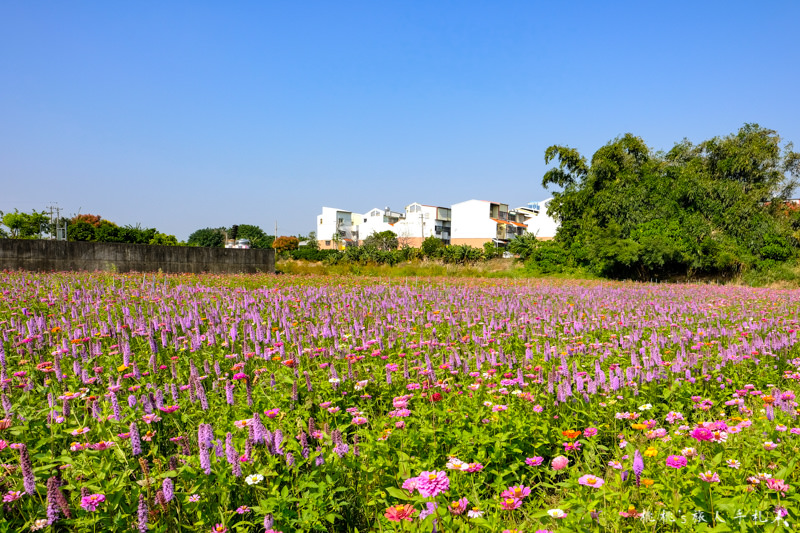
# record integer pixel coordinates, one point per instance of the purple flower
(169, 489)
(142, 514)
(136, 443)
(28, 481)
(638, 466)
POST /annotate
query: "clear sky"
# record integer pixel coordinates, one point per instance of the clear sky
(184, 115)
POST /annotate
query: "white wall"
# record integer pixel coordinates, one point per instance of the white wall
(542, 225)
(471, 221)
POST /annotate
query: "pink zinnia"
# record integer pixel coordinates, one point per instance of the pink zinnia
(518, 492)
(702, 434)
(676, 461)
(396, 513)
(590, 432)
(90, 503)
(510, 503)
(534, 461)
(591, 481)
(458, 506)
(778, 485)
(431, 484)
(709, 476)
(559, 463)
(12, 495)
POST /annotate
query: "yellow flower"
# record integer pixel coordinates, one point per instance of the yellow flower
(651, 452)
(639, 426)
(122, 368)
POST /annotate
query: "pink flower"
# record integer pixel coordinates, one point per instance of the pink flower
(397, 513)
(778, 485)
(431, 484)
(534, 461)
(510, 503)
(676, 461)
(12, 495)
(709, 477)
(559, 463)
(458, 506)
(591, 481)
(90, 503)
(590, 432)
(518, 492)
(702, 434)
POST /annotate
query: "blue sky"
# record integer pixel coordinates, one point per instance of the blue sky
(184, 115)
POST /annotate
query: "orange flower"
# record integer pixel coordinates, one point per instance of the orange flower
(288, 362)
(639, 426)
(571, 434)
(647, 482)
(768, 400)
(55, 329)
(396, 513)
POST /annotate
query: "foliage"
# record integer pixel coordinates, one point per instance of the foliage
(207, 238)
(383, 241)
(256, 236)
(712, 208)
(94, 220)
(26, 225)
(523, 245)
(432, 247)
(285, 243)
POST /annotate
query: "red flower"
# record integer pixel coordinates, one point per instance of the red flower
(436, 397)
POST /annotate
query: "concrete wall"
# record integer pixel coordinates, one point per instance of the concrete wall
(44, 255)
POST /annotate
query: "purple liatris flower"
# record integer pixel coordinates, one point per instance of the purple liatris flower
(289, 459)
(638, 466)
(268, 521)
(168, 488)
(136, 442)
(277, 441)
(28, 481)
(142, 512)
(232, 455)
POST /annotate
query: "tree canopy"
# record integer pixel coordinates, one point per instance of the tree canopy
(717, 207)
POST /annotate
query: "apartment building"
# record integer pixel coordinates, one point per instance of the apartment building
(476, 222)
(473, 222)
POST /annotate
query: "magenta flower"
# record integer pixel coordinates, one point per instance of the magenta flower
(702, 434)
(510, 503)
(12, 496)
(590, 432)
(90, 503)
(591, 481)
(517, 492)
(676, 461)
(431, 484)
(534, 461)
(778, 485)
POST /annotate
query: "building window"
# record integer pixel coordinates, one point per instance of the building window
(320, 222)
(327, 243)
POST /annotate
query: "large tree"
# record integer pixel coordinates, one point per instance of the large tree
(207, 238)
(26, 225)
(712, 207)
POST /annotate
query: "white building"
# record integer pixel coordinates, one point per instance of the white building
(476, 222)
(538, 221)
(422, 221)
(337, 228)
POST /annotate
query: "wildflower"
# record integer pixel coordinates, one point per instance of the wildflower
(572, 446)
(702, 434)
(359, 420)
(769, 445)
(254, 479)
(778, 485)
(733, 463)
(12, 496)
(571, 434)
(510, 503)
(556, 513)
(518, 492)
(676, 461)
(90, 503)
(397, 513)
(475, 512)
(194, 498)
(615, 465)
(432, 483)
(651, 452)
(559, 463)
(689, 452)
(630, 513)
(534, 461)
(591, 481)
(459, 506)
(590, 432)
(39, 524)
(243, 509)
(219, 528)
(709, 477)
(646, 407)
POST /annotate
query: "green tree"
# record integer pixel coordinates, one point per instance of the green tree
(715, 207)
(383, 241)
(80, 231)
(26, 225)
(207, 238)
(162, 239)
(432, 247)
(256, 236)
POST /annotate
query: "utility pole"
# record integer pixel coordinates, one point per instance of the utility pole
(276, 229)
(54, 223)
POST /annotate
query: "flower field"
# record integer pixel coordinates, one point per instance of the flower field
(280, 403)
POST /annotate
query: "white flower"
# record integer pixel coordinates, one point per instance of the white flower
(556, 513)
(474, 513)
(334, 380)
(646, 407)
(254, 479)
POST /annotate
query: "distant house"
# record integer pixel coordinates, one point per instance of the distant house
(473, 222)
